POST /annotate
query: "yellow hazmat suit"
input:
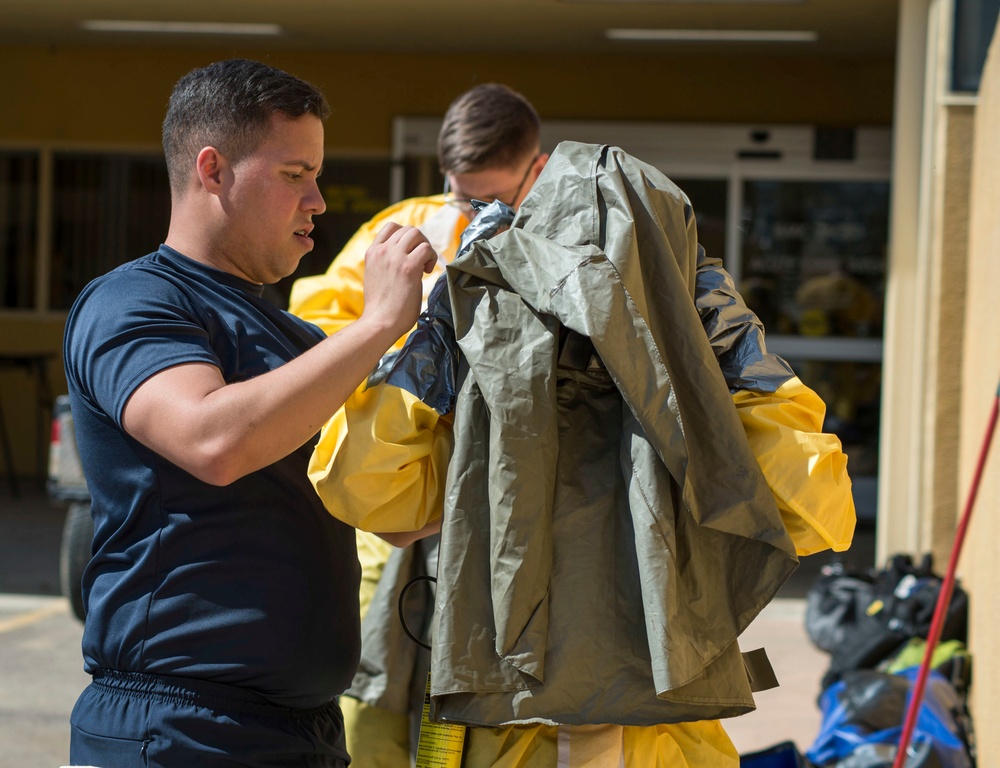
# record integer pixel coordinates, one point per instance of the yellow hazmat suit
(380, 465)
(376, 737)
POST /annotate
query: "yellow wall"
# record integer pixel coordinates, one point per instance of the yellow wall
(115, 98)
(980, 373)
(113, 95)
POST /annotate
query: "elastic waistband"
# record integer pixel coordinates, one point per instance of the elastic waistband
(198, 692)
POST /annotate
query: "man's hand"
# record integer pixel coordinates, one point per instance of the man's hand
(394, 266)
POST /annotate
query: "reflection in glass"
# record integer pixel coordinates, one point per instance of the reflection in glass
(814, 262)
(814, 256)
(708, 198)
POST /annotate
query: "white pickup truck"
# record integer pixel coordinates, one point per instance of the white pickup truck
(68, 486)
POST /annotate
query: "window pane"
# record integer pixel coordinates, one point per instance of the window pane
(421, 176)
(18, 224)
(814, 256)
(708, 198)
(107, 210)
(973, 25)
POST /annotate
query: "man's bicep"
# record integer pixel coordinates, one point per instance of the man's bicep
(164, 412)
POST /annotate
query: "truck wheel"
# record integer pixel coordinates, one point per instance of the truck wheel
(74, 554)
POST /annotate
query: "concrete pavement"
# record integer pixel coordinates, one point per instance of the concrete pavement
(41, 674)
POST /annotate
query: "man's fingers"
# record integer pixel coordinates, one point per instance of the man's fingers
(393, 267)
(416, 244)
(410, 238)
(431, 258)
(387, 231)
(410, 241)
(392, 233)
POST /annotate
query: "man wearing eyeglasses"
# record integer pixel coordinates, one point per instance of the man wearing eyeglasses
(488, 149)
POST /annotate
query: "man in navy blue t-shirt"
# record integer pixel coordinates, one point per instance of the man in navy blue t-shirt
(222, 599)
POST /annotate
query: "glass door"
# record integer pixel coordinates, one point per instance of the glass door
(813, 268)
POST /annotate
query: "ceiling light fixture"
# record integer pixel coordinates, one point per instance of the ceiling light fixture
(715, 35)
(179, 27)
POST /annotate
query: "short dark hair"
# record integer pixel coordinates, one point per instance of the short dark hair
(229, 105)
(489, 126)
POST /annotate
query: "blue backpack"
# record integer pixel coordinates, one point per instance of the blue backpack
(862, 722)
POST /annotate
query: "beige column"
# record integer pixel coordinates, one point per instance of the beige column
(904, 361)
(927, 284)
(980, 558)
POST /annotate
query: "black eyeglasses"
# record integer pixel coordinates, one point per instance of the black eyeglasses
(466, 202)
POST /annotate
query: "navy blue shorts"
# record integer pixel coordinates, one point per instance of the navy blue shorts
(131, 720)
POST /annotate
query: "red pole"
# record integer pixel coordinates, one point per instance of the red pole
(944, 596)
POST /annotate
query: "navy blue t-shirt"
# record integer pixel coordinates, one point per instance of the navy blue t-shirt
(253, 584)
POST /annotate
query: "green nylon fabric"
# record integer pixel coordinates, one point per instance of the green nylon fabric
(607, 532)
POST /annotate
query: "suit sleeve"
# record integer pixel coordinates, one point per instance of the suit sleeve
(805, 467)
(380, 463)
